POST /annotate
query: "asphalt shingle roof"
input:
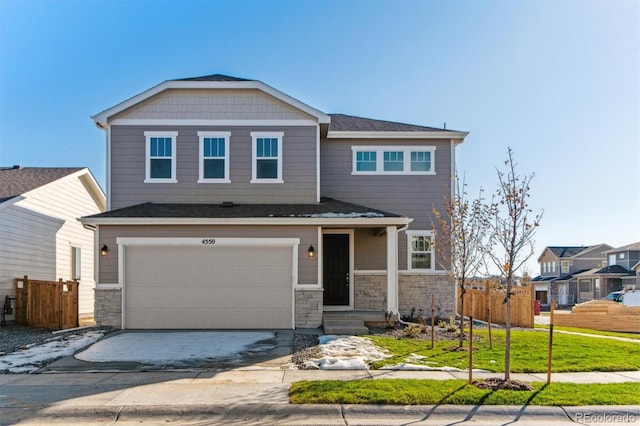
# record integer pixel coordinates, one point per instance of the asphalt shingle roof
(566, 251)
(628, 247)
(18, 180)
(213, 77)
(327, 208)
(614, 269)
(349, 123)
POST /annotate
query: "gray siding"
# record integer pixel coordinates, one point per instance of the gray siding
(128, 168)
(213, 104)
(411, 195)
(307, 268)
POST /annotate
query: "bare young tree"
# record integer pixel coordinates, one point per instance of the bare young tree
(512, 226)
(460, 230)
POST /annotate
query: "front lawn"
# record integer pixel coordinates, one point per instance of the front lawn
(458, 392)
(528, 352)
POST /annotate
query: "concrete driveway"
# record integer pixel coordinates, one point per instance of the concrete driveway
(131, 350)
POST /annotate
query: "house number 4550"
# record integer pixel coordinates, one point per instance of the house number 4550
(208, 241)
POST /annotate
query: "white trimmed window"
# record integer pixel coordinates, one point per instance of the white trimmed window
(266, 157)
(393, 160)
(160, 157)
(214, 157)
(420, 254)
(564, 266)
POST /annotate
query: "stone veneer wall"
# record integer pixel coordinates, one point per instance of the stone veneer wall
(108, 307)
(308, 308)
(370, 292)
(415, 290)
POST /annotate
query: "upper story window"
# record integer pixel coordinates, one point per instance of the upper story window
(365, 161)
(612, 259)
(564, 266)
(214, 157)
(160, 157)
(267, 157)
(393, 160)
(420, 254)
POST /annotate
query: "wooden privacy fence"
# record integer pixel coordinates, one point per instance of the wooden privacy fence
(486, 303)
(47, 304)
(602, 315)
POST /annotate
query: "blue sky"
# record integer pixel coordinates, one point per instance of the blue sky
(558, 81)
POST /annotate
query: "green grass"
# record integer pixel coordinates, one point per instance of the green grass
(458, 392)
(590, 331)
(528, 352)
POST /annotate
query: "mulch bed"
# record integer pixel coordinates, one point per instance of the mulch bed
(496, 383)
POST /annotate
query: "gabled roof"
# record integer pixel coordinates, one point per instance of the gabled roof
(213, 77)
(628, 247)
(608, 270)
(349, 126)
(326, 209)
(214, 81)
(15, 181)
(566, 251)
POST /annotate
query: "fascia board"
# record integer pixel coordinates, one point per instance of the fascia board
(387, 221)
(458, 136)
(102, 117)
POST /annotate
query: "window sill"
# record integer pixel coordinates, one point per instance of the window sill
(266, 181)
(213, 181)
(160, 181)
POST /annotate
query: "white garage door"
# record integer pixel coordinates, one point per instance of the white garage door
(185, 287)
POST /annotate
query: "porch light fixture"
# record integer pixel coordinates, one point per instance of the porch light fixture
(311, 252)
(104, 250)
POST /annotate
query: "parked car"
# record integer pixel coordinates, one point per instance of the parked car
(631, 298)
(615, 296)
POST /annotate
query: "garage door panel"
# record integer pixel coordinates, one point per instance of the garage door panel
(208, 287)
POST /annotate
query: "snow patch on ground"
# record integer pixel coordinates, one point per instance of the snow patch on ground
(346, 353)
(33, 358)
(163, 348)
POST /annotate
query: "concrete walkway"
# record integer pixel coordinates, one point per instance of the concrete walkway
(259, 396)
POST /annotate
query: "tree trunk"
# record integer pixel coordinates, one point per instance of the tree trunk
(462, 293)
(507, 343)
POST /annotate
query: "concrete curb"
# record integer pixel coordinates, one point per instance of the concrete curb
(321, 414)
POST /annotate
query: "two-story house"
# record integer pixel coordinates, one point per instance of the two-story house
(618, 273)
(234, 205)
(559, 266)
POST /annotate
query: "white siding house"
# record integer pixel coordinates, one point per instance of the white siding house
(40, 234)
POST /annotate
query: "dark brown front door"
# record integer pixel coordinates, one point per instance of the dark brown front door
(335, 267)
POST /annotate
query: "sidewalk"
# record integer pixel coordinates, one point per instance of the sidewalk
(252, 395)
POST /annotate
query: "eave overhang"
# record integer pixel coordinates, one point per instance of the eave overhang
(306, 221)
(457, 137)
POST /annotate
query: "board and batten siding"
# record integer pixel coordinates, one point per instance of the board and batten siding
(407, 195)
(308, 235)
(212, 104)
(39, 231)
(128, 164)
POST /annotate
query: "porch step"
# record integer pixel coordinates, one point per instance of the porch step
(351, 322)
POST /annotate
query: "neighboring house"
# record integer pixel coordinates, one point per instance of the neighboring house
(40, 232)
(559, 266)
(618, 274)
(234, 205)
